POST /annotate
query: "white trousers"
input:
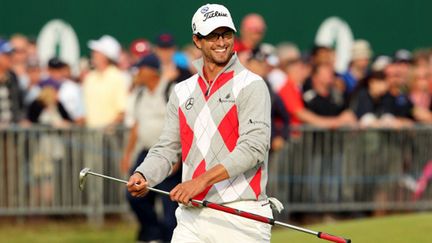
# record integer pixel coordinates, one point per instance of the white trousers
(208, 225)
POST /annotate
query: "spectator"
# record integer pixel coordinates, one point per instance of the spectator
(419, 87)
(165, 51)
(11, 96)
(139, 48)
(124, 64)
(291, 94)
(324, 99)
(147, 115)
(403, 65)
(260, 63)
(71, 97)
(286, 52)
(68, 91)
(323, 55)
(252, 31)
(192, 53)
(20, 44)
(367, 102)
(320, 55)
(104, 87)
(32, 53)
(381, 63)
(358, 67)
(47, 110)
(396, 101)
(34, 75)
(49, 153)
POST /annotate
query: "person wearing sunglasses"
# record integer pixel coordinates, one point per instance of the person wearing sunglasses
(218, 121)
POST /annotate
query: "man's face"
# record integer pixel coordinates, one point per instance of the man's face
(5, 61)
(98, 59)
(217, 47)
(325, 75)
(146, 76)
(165, 54)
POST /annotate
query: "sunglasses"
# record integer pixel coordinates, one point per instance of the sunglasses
(212, 37)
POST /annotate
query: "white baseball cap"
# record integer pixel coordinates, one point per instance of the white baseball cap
(106, 45)
(210, 17)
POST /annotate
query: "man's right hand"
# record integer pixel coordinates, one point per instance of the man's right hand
(137, 185)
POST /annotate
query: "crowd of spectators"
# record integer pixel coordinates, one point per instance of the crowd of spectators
(375, 91)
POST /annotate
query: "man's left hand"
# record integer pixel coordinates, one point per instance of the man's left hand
(185, 191)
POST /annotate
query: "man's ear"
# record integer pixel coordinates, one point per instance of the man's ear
(196, 41)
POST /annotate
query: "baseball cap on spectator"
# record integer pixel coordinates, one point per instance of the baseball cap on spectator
(361, 50)
(140, 47)
(265, 52)
(108, 46)
(403, 55)
(5, 47)
(380, 63)
(165, 40)
(210, 17)
(56, 63)
(148, 61)
(50, 83)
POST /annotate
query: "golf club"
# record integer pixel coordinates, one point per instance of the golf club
(86, 171)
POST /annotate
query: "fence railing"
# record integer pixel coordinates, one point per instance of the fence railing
(352, 170)
(318, 170)
(39, 172)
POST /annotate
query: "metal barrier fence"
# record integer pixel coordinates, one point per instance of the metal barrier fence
(318, 170)
(39, 172)
(351, 170)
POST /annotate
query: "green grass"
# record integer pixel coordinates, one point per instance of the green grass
(395, 229)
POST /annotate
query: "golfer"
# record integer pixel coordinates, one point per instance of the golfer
(218, 121)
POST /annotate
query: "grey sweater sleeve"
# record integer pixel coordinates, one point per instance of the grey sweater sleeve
(253, 107)
(159, 161)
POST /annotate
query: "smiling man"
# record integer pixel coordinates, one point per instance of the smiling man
(218, 121)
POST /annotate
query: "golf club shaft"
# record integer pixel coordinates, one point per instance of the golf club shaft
(241, 213)
(125, 182)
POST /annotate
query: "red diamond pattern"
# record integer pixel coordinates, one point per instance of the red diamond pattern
(201, 169)
(255, 183)
(228, 128)
(186, 135)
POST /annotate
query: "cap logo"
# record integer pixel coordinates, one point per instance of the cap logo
(193, 27)
(204, 10)
(213, 14)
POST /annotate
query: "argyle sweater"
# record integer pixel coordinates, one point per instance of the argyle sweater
(226, 122)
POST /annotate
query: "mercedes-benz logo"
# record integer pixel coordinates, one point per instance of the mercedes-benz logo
(189, 103)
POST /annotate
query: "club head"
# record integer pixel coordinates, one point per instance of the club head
(82, 177)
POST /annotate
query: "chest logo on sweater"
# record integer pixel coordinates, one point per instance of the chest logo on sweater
(189, 103)
(227, 99)
(255, 122)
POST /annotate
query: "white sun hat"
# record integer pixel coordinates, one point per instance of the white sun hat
(210, 17)
(106, 45)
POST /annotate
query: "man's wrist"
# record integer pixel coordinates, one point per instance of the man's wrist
(142, 175)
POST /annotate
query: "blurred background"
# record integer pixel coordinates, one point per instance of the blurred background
(85, 84)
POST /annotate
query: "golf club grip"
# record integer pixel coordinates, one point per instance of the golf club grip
(238, 212)
(333, 238)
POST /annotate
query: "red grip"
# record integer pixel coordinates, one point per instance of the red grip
(333, 238)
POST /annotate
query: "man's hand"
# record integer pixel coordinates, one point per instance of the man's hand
(185, 191)
(137, 185)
